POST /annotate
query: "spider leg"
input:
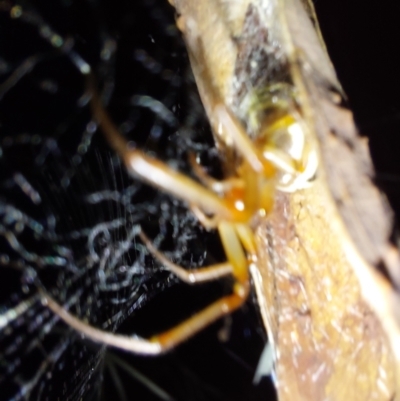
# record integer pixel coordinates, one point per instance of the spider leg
(208, 223)
(218, 186)
(246, 236)
(169, 339)
(202, 319)
(133, 344)
(157, 344)
(230, 130)
(159, 174)
(276, 159)
(237, 259)
(193, 276)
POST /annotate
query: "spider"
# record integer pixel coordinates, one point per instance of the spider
(277, 157)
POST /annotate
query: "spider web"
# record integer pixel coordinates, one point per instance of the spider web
(69, 214)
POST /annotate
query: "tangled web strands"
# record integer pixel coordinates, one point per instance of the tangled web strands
(69, 214)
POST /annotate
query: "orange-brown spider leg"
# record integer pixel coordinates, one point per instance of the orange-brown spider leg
(207, 222)
(230, 127)
(246, 236)
(160, 175)
(218, 186)
(157, 344)
(237, 258)
(193, 276)
(202, 319)
(170, 338)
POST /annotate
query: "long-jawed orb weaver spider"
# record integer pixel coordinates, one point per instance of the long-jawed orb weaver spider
(277, 157)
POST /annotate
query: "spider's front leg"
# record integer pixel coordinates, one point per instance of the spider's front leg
(158, 174)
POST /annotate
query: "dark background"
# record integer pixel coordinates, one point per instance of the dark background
(150, 60)
(362, 40)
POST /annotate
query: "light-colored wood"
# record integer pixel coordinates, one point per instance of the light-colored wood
(330, 314)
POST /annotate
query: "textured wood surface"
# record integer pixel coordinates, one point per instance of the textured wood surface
(328, 310)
